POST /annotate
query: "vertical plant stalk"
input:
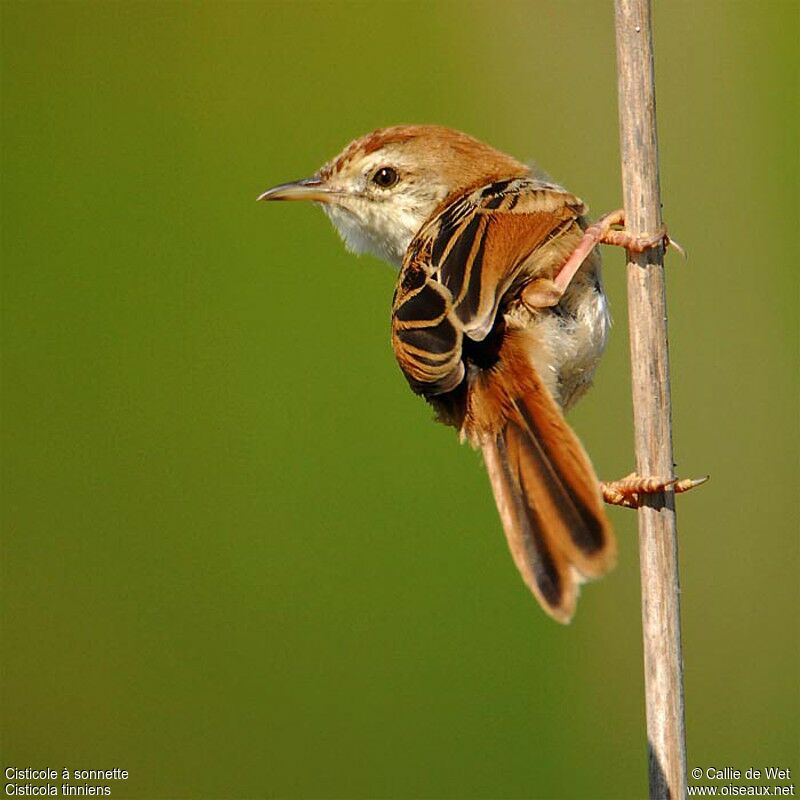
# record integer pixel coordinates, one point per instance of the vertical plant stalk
(647, 311)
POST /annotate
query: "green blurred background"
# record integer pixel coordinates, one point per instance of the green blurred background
(238, 558)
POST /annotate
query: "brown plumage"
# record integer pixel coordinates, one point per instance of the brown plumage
(488, 325)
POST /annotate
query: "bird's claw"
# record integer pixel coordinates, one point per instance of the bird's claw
(628, 491)
(604, 231)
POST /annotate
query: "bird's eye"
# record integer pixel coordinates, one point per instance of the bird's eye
(385, 177)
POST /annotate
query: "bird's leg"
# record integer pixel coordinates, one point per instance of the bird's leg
(627, 491)
(545, 293)
(604, 232)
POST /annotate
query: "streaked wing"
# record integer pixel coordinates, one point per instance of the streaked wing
(463, 261)
(426, 335)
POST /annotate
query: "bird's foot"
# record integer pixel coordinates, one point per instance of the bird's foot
(605, 231)
(628, 491)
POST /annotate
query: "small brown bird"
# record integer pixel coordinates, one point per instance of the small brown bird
(499, 320)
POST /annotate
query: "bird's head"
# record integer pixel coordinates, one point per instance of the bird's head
(381, 188)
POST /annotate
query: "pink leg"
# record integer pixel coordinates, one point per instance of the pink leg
(602, 232)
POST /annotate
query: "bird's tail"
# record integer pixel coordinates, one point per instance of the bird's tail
(545, 487)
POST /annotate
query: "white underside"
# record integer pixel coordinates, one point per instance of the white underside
(568, 347)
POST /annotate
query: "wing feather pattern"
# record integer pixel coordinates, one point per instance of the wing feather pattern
(469, 255)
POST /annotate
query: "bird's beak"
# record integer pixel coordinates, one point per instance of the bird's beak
(307, 189)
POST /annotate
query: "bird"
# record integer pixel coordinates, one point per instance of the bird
(499, 319)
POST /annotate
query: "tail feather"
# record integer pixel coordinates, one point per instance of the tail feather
(543, 568)
(545, 487)
(557, 477)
